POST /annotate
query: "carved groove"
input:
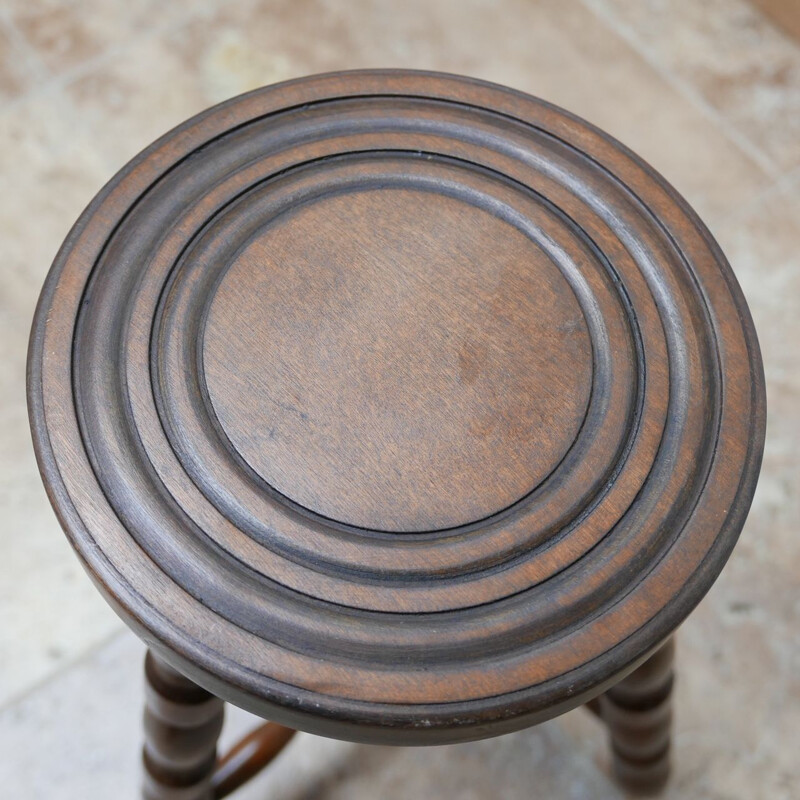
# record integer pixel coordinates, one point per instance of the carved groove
(377, 392)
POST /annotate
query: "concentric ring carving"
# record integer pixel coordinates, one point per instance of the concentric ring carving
(477, 620)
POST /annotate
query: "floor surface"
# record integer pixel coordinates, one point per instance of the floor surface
(708, 92)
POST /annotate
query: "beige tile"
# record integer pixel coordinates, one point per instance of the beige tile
(740, 683)
(65, 34)
(730, 54)
(763, 246)
(133, 70)
(14, 72)
(127, 102)
(561, 52)
(728, 744)
(734, 707)
(49, 171)
(737, 660)
(49, 610)
(87, 722)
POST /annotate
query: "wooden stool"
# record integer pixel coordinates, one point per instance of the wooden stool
(399, 408)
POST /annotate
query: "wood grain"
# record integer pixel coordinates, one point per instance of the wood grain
(396, 406)
(442, 354)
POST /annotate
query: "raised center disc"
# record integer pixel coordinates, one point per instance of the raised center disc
(397, 360)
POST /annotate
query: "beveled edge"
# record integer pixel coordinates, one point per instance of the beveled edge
(414, 724)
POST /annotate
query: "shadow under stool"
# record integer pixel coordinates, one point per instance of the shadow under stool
(395, 407)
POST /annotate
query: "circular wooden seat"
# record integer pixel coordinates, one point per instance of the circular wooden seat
(396, 406)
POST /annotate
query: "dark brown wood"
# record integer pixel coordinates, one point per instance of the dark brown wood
(638, 712)
(181, 724)
(395, 406)
(249, 756)
(441, 394)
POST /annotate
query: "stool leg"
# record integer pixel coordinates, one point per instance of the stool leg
(181, 725)
(638, 713)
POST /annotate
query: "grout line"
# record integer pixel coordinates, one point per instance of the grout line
(600, 9)
(67, 666)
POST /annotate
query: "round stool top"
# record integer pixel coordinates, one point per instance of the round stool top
(396, 406)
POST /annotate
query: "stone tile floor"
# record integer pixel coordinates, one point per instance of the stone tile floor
(708, 92)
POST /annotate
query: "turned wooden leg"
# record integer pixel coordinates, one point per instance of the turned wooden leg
(249, 756)
(638, 713)
(181, 725)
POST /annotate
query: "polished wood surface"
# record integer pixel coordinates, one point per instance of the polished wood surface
(421, 343)
(396, 406)
(248, 757)
(181, 725)
(638, 713)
